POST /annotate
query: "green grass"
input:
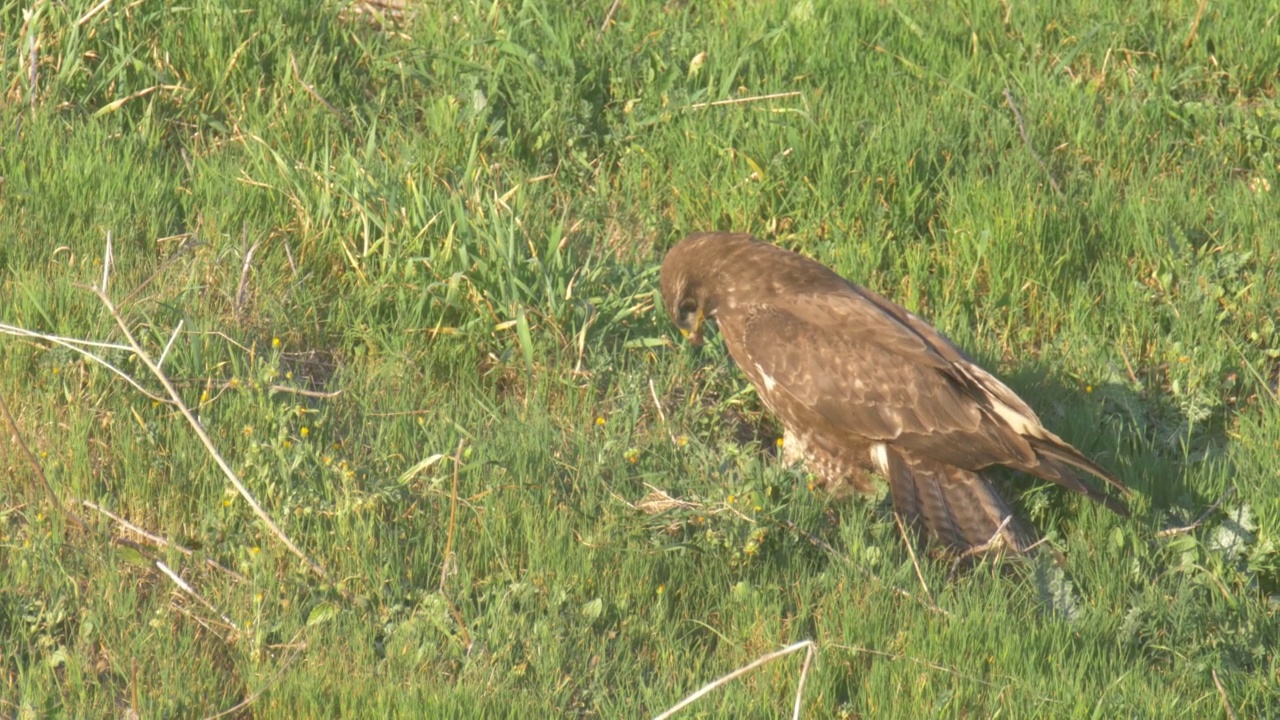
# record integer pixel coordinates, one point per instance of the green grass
(458, 217)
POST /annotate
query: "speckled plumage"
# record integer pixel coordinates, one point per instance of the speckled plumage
(864, 387)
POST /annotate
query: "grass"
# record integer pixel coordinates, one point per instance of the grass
(454, 217)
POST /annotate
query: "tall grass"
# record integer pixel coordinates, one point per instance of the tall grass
(384, 234)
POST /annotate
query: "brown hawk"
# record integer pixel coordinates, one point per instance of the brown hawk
(861, 384)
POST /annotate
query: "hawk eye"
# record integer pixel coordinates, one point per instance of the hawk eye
(688, 307)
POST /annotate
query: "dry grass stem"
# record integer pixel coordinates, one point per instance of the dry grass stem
(1191, 37)
(1026, 139)
(1169, 532)
(146, 359)
(253, 697)
(304, 393)
(35, 466)
(33, 76)
(297, 75)
(158, 540)
(915, 563)
(1222, 692)
(448, 547)
(169, 345)
(608, 17)
(242, 291)
(997, 541)
(657, 404)
(933, 666)
(74, 345)
(185, 587)
(106, 263)
(804, 675)
(741, 101)
(92, 11)
(739, 673)
(453, 515)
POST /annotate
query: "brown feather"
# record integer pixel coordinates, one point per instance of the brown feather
(862, 384)
(959, 508)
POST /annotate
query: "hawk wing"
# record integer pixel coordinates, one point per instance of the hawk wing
(868, 375)
(870, 369)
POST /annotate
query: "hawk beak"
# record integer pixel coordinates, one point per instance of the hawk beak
(694, 336)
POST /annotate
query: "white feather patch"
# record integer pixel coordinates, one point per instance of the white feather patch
(1020, 423)
(769, 382)
(880, 457)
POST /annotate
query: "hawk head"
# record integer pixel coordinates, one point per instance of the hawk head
(688, 288)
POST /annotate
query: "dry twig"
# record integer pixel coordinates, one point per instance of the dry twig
(658, 501)
(304, 393)
(1133, 377)
(996, 541)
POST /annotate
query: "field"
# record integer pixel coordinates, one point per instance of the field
(401, 263)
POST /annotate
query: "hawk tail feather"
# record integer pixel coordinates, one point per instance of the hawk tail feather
(1058, 462)
(956, 507)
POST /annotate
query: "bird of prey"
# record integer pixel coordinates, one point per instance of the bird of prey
(862, 385)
